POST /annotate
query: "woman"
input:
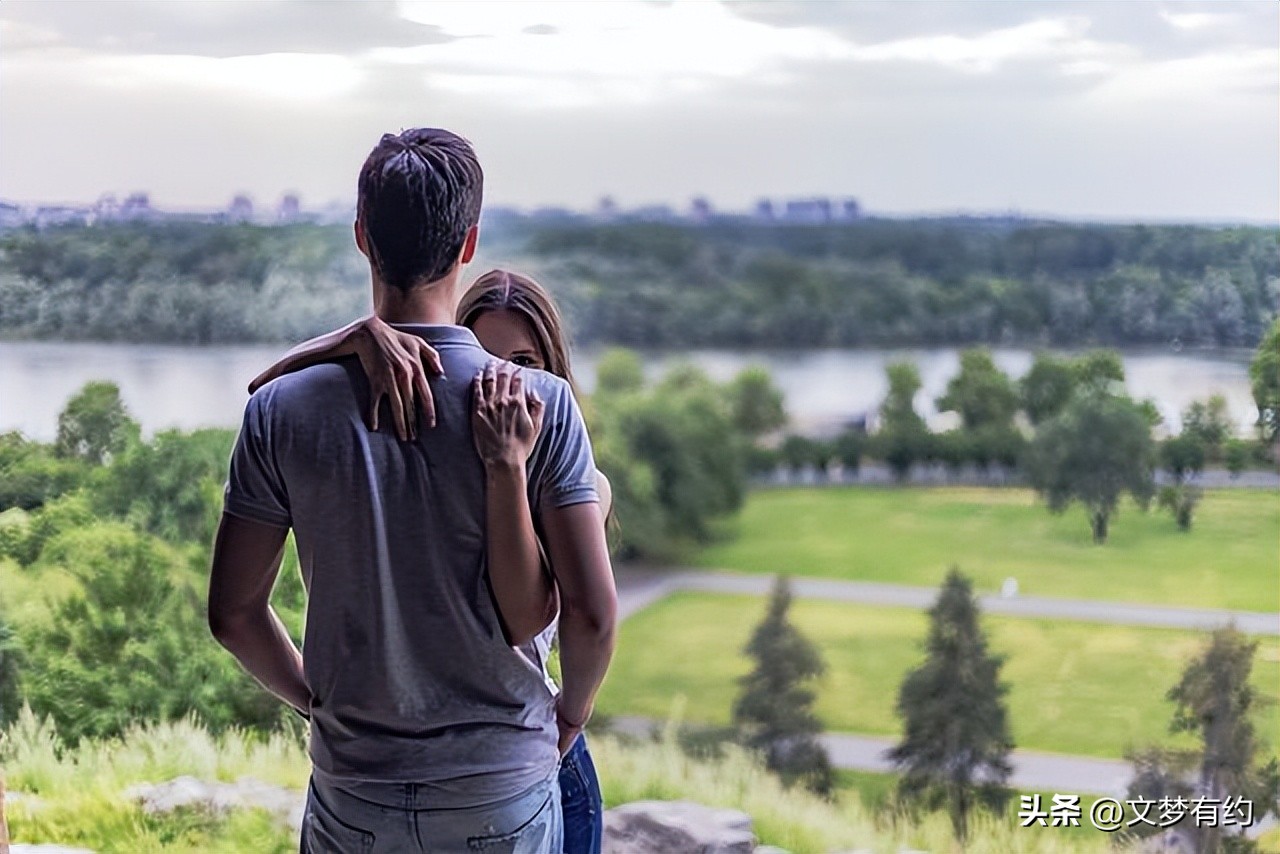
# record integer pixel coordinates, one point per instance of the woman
(515, 319)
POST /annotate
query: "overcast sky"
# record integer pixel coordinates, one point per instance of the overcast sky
(1124, 110)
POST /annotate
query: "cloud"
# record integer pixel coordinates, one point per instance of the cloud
(215, 29)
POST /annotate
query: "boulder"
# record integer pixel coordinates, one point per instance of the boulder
(676, 827)
(24, 848)
(188, 792)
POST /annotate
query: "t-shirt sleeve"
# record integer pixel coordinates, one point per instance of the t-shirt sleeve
(255, 489)
(563, 471)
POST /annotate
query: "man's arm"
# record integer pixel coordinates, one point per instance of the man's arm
(588, 609)
(246, 560)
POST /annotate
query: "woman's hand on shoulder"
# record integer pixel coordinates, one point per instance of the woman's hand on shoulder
(396, 364)
(506, 417)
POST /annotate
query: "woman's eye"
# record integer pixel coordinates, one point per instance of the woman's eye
(522, 361)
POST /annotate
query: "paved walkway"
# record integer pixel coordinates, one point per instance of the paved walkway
(637, 589)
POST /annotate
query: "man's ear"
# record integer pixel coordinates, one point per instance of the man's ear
(469, 245)
(362, 240)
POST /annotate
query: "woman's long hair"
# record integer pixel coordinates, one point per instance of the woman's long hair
(499, 290)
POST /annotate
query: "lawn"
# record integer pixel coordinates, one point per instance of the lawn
(1230, 559)
(1074, 687)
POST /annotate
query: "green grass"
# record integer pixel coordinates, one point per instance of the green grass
(82, 805)
(1074, 687)
(910, 536)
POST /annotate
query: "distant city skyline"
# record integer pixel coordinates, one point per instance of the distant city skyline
(1150, 112)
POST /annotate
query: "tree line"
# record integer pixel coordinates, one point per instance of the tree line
(1067, 425)
(727, 283)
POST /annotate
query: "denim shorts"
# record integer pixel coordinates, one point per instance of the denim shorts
(338, 822)
(580, 801)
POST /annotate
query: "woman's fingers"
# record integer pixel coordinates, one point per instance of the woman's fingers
(397, 413)
(429, 357)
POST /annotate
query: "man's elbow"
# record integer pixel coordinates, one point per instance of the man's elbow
(226, 625)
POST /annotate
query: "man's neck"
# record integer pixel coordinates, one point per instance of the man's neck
(435, 303)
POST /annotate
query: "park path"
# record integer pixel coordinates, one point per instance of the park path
(1033, 771)
(638, 589)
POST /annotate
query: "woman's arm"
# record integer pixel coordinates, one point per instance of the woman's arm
(395, 363)
(505, 423)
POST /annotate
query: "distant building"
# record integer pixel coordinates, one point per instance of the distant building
(653, 213)
(241, 209)
(136, 206)
(764, 210)
(50, 215)
(106, 209)
(700, 209)
(606, 208)
(11, 216)
(850, 210)
(290, 209)
(808, 211)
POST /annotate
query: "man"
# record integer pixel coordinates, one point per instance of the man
(428, 731)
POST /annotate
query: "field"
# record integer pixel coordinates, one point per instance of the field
(1074, 687)
(910, 536)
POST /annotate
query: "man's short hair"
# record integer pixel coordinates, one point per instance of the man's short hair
(419, 193)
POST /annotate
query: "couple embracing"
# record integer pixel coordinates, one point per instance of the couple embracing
(441, 556)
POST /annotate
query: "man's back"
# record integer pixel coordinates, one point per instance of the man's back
(412, 680)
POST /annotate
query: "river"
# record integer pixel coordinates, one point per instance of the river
(192, 387)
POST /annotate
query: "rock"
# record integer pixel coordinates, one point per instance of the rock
(770, 849)
(29, 802)
(245, 793)
(24, 848)
(676, 827)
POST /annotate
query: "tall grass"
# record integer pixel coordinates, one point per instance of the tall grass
(80, 795)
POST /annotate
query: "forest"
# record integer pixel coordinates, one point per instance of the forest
(726, 283)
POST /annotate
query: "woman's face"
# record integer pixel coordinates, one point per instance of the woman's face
(507, 335)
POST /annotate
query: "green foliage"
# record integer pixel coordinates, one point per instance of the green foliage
(1045, 388)
(1214, 701)
(955, 747)
(131, 644)
(9, 652)
(774, 712)
(1181, 500)
(1098, 447)
(883, 282)
(800, 451)
(1209, 423)
(1264, 376)
(1183, 455)
(170, 486)
(95, 425)
(756, 403)
(1236, 456)
(674, 458)
(903, 438)
(619, 371)
(727, 283)
(982, 393)
(30, 474)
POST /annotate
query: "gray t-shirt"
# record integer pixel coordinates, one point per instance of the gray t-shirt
(410, 676)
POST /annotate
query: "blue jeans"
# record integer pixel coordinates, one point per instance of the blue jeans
(337, 821)
(580, 801)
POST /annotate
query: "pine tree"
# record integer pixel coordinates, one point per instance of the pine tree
(1214, 699)
(954, 752)
(774, 713)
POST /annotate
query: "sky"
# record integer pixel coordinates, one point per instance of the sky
(1148, 111)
